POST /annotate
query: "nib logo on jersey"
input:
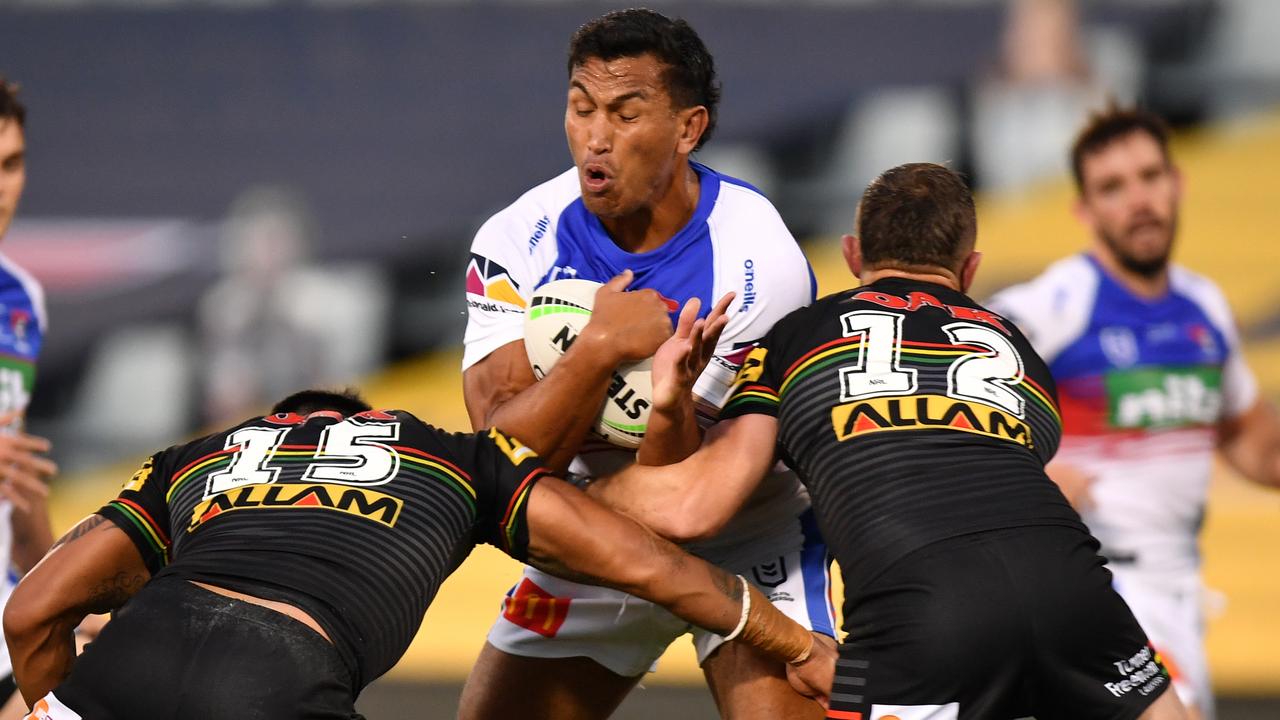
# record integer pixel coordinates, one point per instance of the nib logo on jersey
(489, 280)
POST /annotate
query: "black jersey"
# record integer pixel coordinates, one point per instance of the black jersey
(912, 414)
(355, 521)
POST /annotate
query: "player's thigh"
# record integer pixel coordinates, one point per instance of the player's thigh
(572, 645)
(937, 635)
(572, 688)
(1092, 657)
(749, 686)
(179, 651)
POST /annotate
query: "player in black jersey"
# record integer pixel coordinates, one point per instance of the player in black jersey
(274, 569)
(921, 423)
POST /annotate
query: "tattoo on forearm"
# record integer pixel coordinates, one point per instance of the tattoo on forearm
(81, 530)
(726, 583)
(114, 591)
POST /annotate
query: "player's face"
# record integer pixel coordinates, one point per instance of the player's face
(626, 138)
(13, 170)
(1130, 199)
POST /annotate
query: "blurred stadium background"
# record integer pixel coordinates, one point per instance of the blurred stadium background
(221, 188)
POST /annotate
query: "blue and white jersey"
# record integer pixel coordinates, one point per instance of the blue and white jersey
(22, 327)
(735, 241)
(1143, 385)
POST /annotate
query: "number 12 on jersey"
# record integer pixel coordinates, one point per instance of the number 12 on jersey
(985, 375)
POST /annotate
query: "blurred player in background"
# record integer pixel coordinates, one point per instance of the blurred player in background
(274, 569)
(25, 533)
(642, 97)
(1152, 381)
(921, 424)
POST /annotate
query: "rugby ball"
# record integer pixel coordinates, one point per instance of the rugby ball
(557, 312)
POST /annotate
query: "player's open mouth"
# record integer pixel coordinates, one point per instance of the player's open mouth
(595, 178)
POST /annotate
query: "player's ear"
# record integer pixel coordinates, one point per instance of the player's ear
(693, 123)
(851, 245)
(1080, 209)
(968, 270)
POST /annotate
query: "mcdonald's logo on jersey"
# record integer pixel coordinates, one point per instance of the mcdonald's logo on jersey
(926, 412)
(535, 609)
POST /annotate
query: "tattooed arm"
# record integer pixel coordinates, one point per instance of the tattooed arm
(94, 568)
(572, 536)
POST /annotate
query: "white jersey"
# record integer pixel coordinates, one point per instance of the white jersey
(735, 241)
(1142, 385)
(22, 327)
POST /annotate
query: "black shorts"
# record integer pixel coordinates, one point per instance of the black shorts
(177, 651)
(995, 625)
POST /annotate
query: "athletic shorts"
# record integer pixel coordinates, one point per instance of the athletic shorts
(176, 651)
(994, 625)
(1168, 606)
(545, 616)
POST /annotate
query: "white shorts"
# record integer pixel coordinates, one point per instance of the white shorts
(50, 708)
(1168, 607)
(544, 616)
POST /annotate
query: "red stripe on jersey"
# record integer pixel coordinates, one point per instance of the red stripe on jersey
(537, 473)
(429, 456)
(193, 463)
(856, 339)
(143, 512)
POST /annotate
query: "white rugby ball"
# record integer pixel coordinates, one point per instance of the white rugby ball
(557, 312)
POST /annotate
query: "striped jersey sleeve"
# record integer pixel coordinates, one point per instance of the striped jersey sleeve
(505, 471)
(141, 511)
(756, 388)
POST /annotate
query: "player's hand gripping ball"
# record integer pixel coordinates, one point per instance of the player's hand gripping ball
(558, 311)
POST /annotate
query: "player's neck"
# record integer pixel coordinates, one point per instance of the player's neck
(942, 277)
(1150, 287)
(650, 228)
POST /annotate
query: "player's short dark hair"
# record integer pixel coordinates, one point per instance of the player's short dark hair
(1110, 124)
(305, 402)
(691, 72)
(10, 105)
(918, 215)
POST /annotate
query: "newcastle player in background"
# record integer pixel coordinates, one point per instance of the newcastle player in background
(1152, 380)
(921, 423)
(25, 533)
(274, 569)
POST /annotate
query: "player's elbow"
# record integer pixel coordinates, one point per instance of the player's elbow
(688, 522)
(28, 619)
